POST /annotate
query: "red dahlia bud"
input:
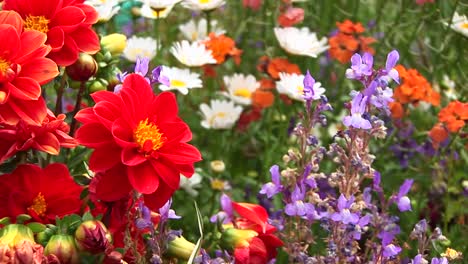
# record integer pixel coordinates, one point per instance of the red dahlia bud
(93, 237)
(83, 69)
(63, 247)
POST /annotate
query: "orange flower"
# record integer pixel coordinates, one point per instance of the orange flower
(397, 110)
(349, 41)
(221, 47)
(438, 134)
(262, 98)
(454, 116)
(414, 88)
(274, 66)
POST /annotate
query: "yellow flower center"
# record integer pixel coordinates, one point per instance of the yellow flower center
(464, 25)
(39, 23)
(243, 92)
(177, 84)
(204, 1)
(300, 89)
(148, 137)
(39, 205)
(4, 66)
(217, 184)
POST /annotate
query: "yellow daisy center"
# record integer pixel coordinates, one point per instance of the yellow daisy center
(464, 25)
(204, 1)
(177, 84)
(148, 137)
(300, 89)
(39, 23)
(39, 205)
(217, 184)
(243, 92)
(4, 66)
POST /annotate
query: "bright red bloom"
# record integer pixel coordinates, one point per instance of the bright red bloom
(67, 24)
(139, 142)
(23, 68)
(261, 248)
(44, 194)
(291, 17)
(47, 137)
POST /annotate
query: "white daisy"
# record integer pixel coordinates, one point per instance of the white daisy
(148, 12)
(195, 31)
(189, 184)
(159, 5)
(180, 79)
(240, 88)
(106, 9)
(192, 54)
(202, 4)
(292, 85)
(140, 47)
(220, 114)
(460, 24)
(300, 41)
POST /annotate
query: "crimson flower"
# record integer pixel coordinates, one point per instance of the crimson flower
(47, 137)
(139, 142)
(23, 68)
(67, 24)
(44, 194)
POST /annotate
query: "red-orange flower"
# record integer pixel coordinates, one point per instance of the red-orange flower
(222, 47)
(47, 137)
(273, 66)
(139, 142)
(67, 24)
(348, 40)
(454, 115)
(438, 134)
(414, 88)
(23, 68)
(291, 16)
(44, 194)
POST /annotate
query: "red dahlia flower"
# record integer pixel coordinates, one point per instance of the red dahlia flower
(47, 137)
(67, 24)
(23, 68)
(44, 194)
(139, 142)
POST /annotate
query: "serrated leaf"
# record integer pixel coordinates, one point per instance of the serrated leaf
(36, 227)
(22, 218)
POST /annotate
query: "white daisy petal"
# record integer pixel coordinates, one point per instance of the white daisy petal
(292, 85)
(195, 31)
(192, 54)
(459, 24)
(140, 47)
(180, 79)
(300, 41)
(220, 114)
(105, 9)
(240, 88)
(204, 5)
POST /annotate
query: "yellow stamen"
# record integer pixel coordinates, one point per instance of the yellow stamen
(4, 66)
(464, 25)
(39, 205)
(243, 92)
(177, 84)
(148, 137)
(39, 23)
(204, 1)
(300, 89)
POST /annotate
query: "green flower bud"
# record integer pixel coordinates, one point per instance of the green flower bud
(180, 248)
(63, 247)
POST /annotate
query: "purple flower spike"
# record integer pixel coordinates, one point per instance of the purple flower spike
(343, 214)
(391, 250)
(166, 212)
(226, 212)
(141, 66)
(145, 220)
(403, 202)
(358, 108)
(360, 66)
(417, 259)
(308, 87)
(297, 205)
(273, 187)
(439, 260)
(392, 59)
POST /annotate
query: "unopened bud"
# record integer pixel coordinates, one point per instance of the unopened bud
(93, 237)
(63, 247)
(180, 248)
(233, 237)
(114, 43)
(83, 69)
(217, 166)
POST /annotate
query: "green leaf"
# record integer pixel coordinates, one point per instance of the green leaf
(5, 221)
(22, 218)
(87, 216)
(36, 227)
(196, 250)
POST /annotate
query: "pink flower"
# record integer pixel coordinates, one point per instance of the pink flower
(252, 4)
(291, 17)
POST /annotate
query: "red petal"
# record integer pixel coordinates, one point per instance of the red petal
(252, 212)
(32, 46)
(113, 184)
(164, 107)
(41, 69)
(25, 89)
(107, 113)
(32, 112)
(131, 157)
(56, 38)
(47, 142)
(45, 8)
(86, 39)
(123, 134)
(181, 154)
(104, 158)
(167, 172)
(241, 255)
(175, 132)
(68, 19)
(160, 197)
(143, 178)
(91, 15)
(94, 135)
(106, 96)
(67, 55)
(186, 169)
(86, 116)
(10, 44)
(11, 18)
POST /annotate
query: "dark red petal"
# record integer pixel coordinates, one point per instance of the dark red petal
(68, 19)
(105, 157)
(252, 212)
(25, 89)
(10, 43)
(113, 184)
(160, 197)
(56, 38)
(86, 39)
(94, 135)
(131, 157)
(143, 178)
(167, 172)
(67, 55)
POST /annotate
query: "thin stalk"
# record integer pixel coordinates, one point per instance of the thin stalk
(79, 98)
(60, 89)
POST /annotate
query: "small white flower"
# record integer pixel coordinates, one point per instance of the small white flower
(220, 114)
(180, 79)
(195, 31)
(240, 88)
(459, 24)
(202, 4)
(159, 5)
(292, 85)
(300, 41)
(140, 47)
(189, 184)
(105, 9)
(192, 54)
(451, 91)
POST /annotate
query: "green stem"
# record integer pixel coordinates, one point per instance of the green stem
(60, 89)
(79, 98)
(208, 22)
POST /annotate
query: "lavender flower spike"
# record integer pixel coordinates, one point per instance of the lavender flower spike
(273, 187)
(167, 213)
(358, 108)
(343, 214)
(360, 66)
(312, 90)
(442, 260)
(297, 205)
(392, 59)
(157, 77)
(226, 213)
(403, 202)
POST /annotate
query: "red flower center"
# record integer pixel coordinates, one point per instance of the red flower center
(39, 23)
(39, 205)
(148, 137)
